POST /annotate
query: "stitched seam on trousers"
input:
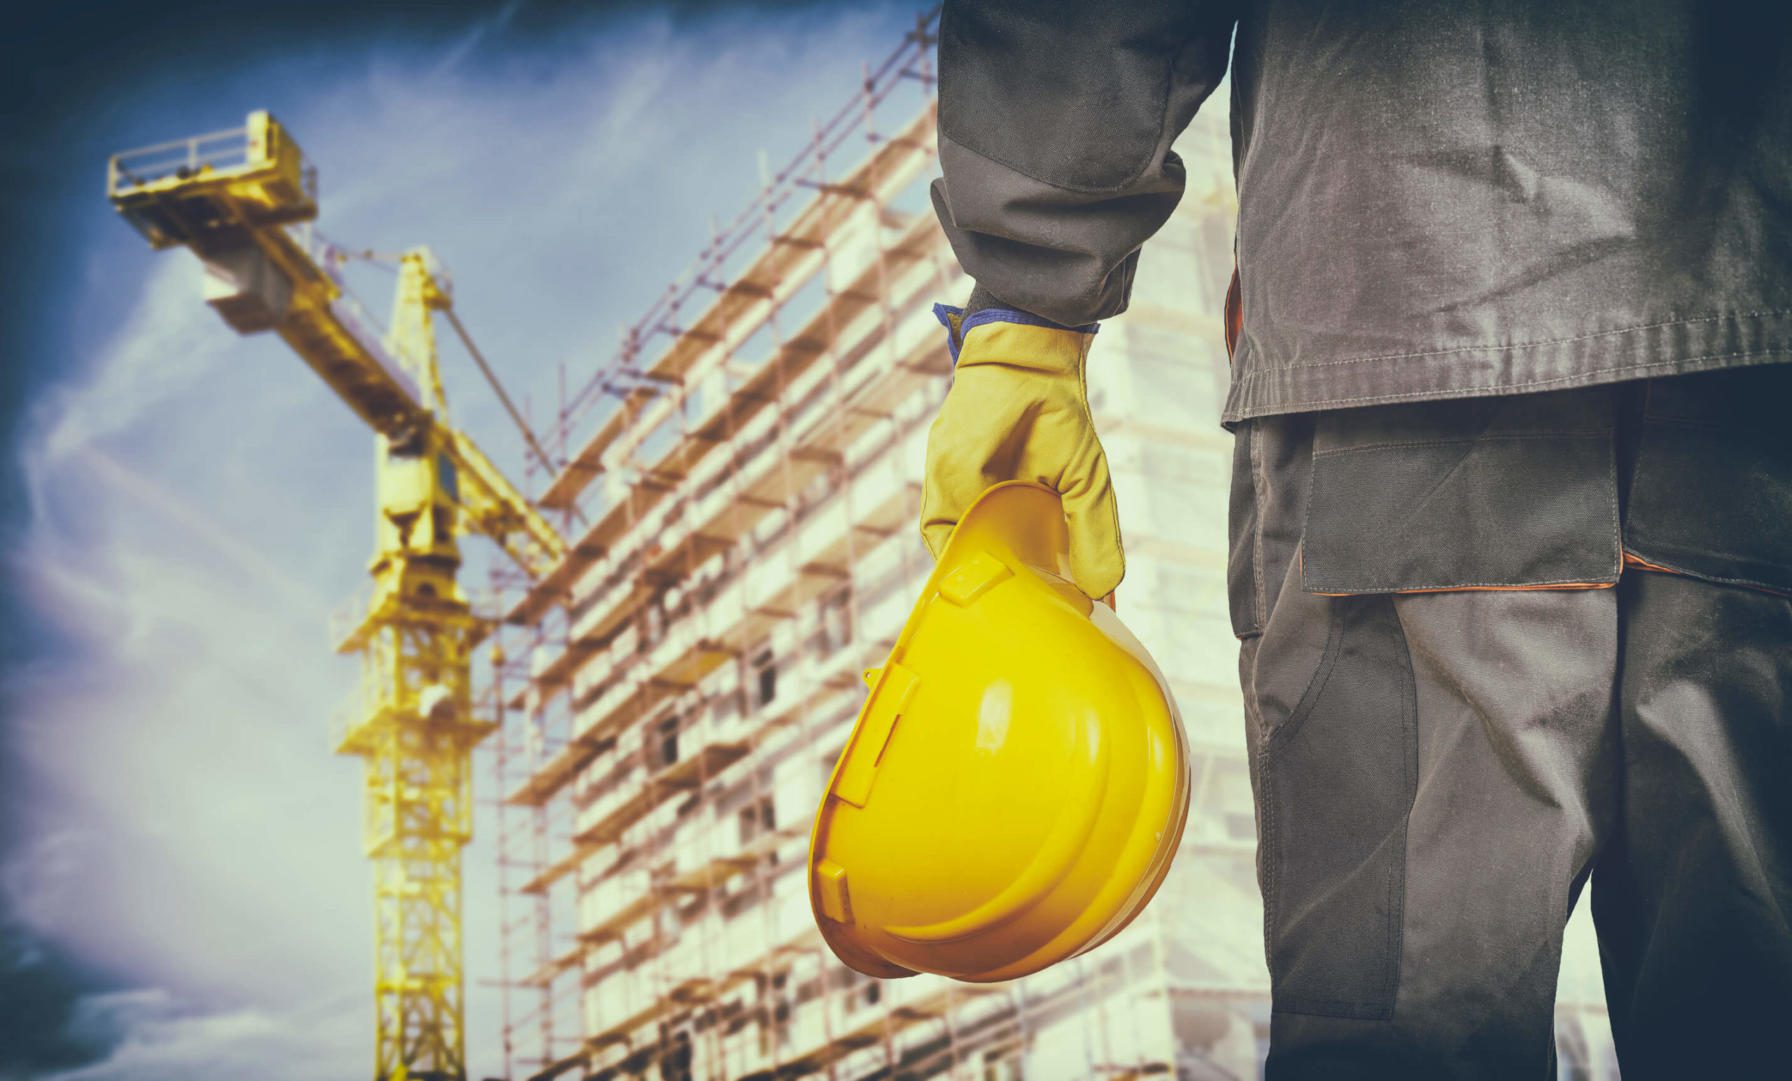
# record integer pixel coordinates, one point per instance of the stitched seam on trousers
(1542, 587)
(1328, 660)
(1268, 849)
(1326, 589)
(1306, 523)
(1522, 346)
(1409, 724)
(1740, 583)
(1253, 712)
(1259, 489)
(1576, 433)
(1260, 793)
(1611, 497)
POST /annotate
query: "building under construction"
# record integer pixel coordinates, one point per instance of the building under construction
(739, 496)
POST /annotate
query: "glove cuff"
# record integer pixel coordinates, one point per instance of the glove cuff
(958, 326)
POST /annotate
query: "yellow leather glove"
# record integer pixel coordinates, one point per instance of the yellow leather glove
(1018, 410)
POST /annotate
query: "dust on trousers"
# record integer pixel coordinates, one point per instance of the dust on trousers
(1493, 649)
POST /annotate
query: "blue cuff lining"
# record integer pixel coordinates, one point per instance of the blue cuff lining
(984, 316)
(1026, 319)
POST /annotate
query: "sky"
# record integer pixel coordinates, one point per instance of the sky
(181, 889)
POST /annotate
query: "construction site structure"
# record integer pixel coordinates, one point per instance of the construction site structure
(740, 489)
(234, 198)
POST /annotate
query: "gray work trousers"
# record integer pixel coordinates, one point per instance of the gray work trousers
(1492, 649)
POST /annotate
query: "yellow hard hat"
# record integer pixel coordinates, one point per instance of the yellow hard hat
(1017, 780)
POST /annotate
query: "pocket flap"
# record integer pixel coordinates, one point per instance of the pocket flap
(1517, 493)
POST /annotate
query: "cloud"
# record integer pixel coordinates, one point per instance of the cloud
(36, 883)
(54, 1029)
(39, 1027)
(475, 35)
(152, 1035)
(198, 502)
(155, 356)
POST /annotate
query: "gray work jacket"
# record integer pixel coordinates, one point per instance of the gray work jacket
(1436, 199)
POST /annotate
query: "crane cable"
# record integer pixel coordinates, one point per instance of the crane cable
(491, 377)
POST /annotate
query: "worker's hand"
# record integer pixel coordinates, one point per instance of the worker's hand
(1018, 410)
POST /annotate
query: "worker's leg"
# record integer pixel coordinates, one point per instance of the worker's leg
(1429, 799)
(1433, 770)
(1693, 896)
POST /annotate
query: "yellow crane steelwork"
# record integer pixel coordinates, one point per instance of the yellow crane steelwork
(233, 198)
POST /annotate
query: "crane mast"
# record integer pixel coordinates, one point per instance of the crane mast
(234, 198)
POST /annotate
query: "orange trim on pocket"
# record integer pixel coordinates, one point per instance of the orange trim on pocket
(1633, 560)
(1300, 559)
(1545, 587)
(1641, 564)
(1551, 586)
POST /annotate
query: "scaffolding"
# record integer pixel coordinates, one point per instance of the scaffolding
(738, 486)
(739, 492)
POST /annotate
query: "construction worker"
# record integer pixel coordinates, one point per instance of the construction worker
(1511, 512)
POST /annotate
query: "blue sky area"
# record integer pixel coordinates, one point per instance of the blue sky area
(181, 891)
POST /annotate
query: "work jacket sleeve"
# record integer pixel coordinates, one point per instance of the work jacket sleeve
(1056, 119)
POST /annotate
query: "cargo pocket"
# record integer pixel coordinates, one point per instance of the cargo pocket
(1495, 493)
(1336, 779)
(1711, 491)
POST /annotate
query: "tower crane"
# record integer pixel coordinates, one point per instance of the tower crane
(242, 201)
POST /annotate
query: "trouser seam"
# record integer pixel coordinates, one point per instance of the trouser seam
(1260, 495)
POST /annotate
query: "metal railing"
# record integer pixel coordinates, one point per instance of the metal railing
(180, 158)
(189, 157)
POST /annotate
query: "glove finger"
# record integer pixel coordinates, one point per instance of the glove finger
(946, 493)
(1097, 559)
(955, 473)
